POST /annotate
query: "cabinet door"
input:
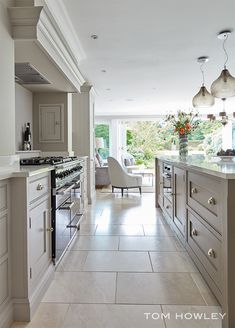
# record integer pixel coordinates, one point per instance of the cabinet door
(180, 200)
(51, 123)
(40, 240)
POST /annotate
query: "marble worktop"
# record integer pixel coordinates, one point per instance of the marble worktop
(23, 171)
(209, 165)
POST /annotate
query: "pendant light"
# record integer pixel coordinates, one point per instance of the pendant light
(224, 86)
(203, 98)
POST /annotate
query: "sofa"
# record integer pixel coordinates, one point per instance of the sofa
(101, 172)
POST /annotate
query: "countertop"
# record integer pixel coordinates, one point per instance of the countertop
(209, 165)
(23, 171)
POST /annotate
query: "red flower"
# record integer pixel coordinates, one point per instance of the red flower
(182, 131)
(188, 126)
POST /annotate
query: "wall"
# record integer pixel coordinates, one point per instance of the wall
(50, 98)
(7, 84)
(24, 113)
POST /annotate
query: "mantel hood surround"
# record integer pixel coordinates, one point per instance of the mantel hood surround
(39, 24)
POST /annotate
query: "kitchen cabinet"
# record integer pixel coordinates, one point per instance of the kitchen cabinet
(179, 182)
(5, 256)
(40, 235)
(32, 266)
(203, 219)
(51, 123)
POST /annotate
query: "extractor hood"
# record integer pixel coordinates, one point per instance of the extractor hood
(25, 73)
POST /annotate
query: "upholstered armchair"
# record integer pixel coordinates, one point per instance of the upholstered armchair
(120, 179)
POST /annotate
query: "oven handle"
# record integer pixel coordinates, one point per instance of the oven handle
(65, 191)
(67, 206)
(166, 176)
(75, 225)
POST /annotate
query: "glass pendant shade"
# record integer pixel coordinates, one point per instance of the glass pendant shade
(203, 98)
(224, 86)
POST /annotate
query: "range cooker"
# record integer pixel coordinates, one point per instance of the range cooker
(67, 181)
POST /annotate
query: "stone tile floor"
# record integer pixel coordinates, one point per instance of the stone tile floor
(126, 269)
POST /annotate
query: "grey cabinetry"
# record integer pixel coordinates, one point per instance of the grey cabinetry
(39, 236)
(180, 200)
(5, 258)
(31, 243)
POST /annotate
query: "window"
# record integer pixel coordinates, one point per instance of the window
(102, 131)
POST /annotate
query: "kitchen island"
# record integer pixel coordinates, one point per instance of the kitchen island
(197, 198)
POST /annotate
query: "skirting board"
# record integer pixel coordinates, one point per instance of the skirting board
(24, 309)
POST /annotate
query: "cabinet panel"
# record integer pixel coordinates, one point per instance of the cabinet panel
(4, 281)
(206, 246)
(3, 197)
(205, 199)
(51, 123)
(39, 187)
(39, 239)
(180, 200)
(160, 183)
(168, 207)
(3, 235)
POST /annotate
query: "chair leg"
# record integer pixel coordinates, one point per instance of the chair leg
(140, 190)
(122, 191)
(112, 189)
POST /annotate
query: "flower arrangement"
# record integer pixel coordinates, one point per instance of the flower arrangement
(183, 122)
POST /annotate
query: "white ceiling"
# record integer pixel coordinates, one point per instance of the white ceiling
(149, 49)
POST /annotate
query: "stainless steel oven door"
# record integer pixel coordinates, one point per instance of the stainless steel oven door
(67, 224)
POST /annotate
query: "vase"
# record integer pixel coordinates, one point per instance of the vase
(183, 146)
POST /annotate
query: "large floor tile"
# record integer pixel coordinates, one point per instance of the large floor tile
(166, 244)
(157, 288)
(95, 243)
(120, 229)
(118, 261)
(204, 289)
(47, 316)
(111, 316)
(161, 230)
(72, 261)
(172, 262)
(87, 229)
(82, 287)
(192, 316)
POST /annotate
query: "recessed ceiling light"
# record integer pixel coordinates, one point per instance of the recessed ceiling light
(94, 36)
(103, 71)
(108, 89)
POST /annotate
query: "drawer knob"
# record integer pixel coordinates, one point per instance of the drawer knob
(40, 186)
(167, 206)
(50, 229)
(211, 201)
(194, 190)
(211, 253)
(194, 232)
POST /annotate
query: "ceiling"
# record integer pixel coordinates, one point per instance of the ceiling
(148, 49)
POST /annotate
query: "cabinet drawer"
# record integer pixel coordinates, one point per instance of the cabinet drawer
(204, 198)
(39, 186)
(206, 246)
(168, 207)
